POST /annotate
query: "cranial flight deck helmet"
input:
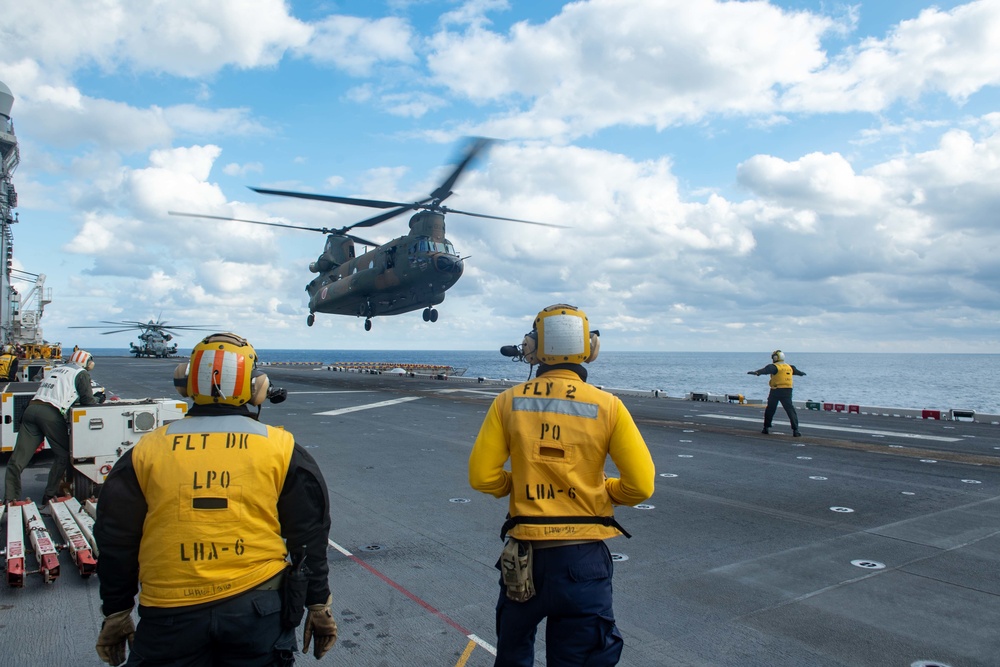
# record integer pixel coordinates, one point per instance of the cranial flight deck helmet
(561, 335)
(83, 359)
(777, 356)
(221, 370)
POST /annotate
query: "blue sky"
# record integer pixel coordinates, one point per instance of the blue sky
(812, 176)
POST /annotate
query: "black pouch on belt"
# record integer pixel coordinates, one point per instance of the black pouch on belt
(293, 592)
(515, 568)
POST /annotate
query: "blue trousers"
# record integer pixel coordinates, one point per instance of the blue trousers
(783, 396)
(243, 631)
(573, 591)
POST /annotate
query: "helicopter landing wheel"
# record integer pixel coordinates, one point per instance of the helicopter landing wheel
(368, 325)
(433, 314)
(427, 314)
(310, 319)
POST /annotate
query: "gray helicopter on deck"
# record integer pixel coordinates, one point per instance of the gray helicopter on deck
(154, 336)
(409, 273)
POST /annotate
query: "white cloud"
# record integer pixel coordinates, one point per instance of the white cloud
(182, 37)
(604, 63)
(234, 169)
(634, 62)
(953, 52)
(356, 45)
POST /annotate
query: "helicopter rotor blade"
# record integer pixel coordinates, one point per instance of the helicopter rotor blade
(191, 327)
(444, 190)
(382, 217)
(358, 239)
(445, 209)
(351, 201)
(322, 230)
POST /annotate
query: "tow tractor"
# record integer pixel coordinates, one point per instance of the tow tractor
(99, 436)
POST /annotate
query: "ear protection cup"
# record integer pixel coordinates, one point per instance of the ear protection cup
(259, 384)
(595, 347)
(181, 379)
(529, 346)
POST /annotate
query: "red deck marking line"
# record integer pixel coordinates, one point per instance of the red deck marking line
(414, 597)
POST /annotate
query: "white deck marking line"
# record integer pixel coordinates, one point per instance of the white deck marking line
(895, 434)
(346, 391)
(489, 647)
(484, 392)
(444, 617)
(369, 406)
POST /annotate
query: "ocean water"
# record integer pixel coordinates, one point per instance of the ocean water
(921, 381)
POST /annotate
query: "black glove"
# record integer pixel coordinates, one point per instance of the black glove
(116, 630)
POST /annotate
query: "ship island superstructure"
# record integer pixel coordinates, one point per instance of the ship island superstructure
(23, 295)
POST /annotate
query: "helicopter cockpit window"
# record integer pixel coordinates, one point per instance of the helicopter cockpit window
(426, 245)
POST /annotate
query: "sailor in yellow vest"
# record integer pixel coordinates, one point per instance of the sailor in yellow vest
(220, 524)
(45, 418)
(558, 432)
(8, 364)
(781, 390)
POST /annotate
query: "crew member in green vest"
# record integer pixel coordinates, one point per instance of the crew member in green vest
(45, 418)
(781, 390)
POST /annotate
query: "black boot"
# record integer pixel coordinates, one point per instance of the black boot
(765, 431)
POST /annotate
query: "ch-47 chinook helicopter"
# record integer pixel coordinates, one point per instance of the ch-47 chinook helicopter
(405, 274)
(154, 336)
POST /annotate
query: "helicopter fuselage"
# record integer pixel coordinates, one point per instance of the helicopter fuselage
(153, 344)
(405, 274)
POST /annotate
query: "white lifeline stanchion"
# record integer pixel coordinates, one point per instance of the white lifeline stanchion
(76, 540)
(45, 548)
(15, 546)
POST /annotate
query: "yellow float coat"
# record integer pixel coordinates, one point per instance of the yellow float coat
(557, 431)
(783, 378)
(211, 531)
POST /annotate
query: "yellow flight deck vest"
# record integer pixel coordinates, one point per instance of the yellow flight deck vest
(783, 378)
(211, 485)
(559, 430)
(5, 362)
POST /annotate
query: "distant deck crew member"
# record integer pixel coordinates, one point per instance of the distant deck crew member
(220, 524)
(8, 364)
(781, 390)
(45, 418)
(558, 431)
